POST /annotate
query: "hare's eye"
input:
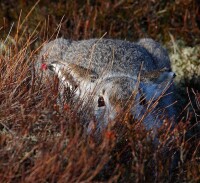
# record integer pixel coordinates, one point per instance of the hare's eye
(101, 102)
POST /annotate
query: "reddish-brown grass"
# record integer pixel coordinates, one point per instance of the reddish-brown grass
(42, 142)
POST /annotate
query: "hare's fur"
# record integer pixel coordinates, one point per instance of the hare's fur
(115, 70)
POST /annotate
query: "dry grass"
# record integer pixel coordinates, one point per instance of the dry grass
(42, 142)
(120, 19)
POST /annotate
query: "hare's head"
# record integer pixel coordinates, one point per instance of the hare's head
(112, 96)
(113, 93)
(118, 94)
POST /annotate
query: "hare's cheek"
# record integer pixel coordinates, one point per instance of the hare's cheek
(100, 114)
(118, 109)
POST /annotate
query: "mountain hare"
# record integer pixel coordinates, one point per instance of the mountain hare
(115, 76)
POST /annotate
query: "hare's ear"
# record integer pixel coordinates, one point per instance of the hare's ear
(83, 73)
(74, 76)
(73, 71)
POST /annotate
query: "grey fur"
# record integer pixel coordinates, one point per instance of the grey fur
(158, 53)
(115, 65)
(89, 53)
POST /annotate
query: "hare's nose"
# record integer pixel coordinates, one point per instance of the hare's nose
(174, 75)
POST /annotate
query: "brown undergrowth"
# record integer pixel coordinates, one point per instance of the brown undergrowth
(123, 19)
(41, 141)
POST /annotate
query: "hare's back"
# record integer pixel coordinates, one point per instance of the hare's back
(109, 55)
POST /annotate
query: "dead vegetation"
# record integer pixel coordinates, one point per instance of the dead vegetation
(43, 142)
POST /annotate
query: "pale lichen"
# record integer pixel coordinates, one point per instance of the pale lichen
(185, 62)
